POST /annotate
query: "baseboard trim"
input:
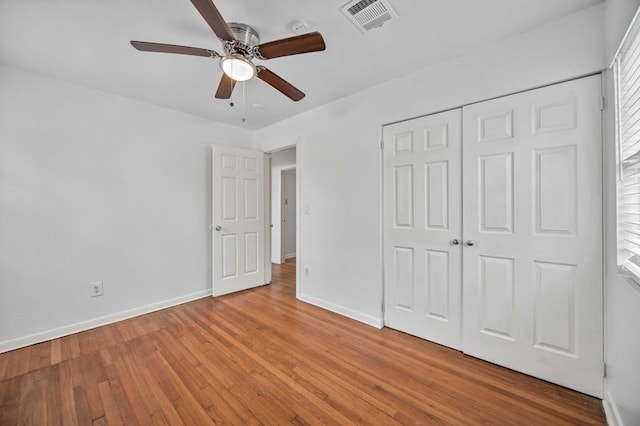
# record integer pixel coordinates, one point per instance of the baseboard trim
(341, 310)
(289, 256)
(20, 342)
(611, 410)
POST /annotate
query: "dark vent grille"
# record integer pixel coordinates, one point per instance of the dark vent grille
(368, 14)
(360, 6)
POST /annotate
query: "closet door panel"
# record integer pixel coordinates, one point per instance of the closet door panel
(532, 185)
(422, 203)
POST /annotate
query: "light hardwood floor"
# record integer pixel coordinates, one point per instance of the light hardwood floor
(262, 357)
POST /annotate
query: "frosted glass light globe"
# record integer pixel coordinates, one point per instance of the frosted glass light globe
(237, 67)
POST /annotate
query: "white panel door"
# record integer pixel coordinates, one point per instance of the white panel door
(422, 227)
(238, 219)
(532, 185)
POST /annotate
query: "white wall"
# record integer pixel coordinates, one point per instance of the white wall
(94, 187)
(289, 213)
(622, 310)
(340, 157)
(281, 160)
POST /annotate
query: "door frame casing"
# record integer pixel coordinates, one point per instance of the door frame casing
(267, 218)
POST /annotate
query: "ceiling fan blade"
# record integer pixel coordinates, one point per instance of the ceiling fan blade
(147, 46)
(217, 23)
(305, 43)
(278, 83)
(225, 88)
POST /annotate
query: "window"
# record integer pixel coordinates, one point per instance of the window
(626, 70)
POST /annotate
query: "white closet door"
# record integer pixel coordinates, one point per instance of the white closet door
(238, 219)
(532, 186)
(421, 219)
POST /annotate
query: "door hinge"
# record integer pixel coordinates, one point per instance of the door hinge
(602, 103)
(604, 369)
(382, 144)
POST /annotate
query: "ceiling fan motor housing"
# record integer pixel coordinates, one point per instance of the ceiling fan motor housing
(245, 39)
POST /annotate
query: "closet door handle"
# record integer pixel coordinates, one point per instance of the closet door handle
(455, 242)
(470, 243)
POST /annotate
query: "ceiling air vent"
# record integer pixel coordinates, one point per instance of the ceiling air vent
(368, 14)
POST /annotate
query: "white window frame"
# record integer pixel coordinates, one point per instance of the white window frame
(626, 72)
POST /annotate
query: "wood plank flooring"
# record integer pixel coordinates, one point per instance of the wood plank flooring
(262, 357)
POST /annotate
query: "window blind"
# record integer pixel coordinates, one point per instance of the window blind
(627, 99)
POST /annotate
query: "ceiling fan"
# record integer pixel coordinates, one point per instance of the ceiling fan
(240, 43)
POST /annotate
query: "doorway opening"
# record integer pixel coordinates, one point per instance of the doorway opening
(285, 190)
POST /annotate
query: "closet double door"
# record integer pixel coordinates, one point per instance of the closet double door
(493, 231)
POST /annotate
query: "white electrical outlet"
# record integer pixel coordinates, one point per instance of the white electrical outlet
(96, 289)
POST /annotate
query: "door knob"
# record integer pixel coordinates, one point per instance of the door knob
(470, 243)
(218, 227)
(455, 242)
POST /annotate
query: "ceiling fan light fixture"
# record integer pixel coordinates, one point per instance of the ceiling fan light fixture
(237, 67)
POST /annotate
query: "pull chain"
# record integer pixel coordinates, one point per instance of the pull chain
(244, 115)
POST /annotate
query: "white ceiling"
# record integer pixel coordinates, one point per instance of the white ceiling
(86, 42)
